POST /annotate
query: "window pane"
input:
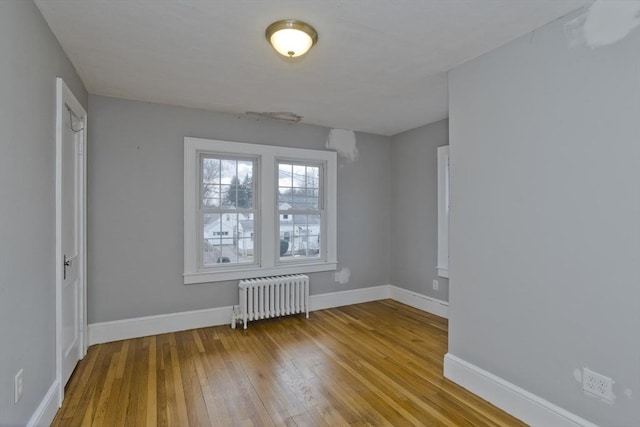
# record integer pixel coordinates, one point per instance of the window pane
(298, 187)
(313, 177)
(245, 189)
(285, 174)
(239, 194)
(227, 183)
(299, 176)
(228, 193)
(210, 195)
(228, 170)
(302, 234)
(312, 199)
(210, 170)
(227, 238)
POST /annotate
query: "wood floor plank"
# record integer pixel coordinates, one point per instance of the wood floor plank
(373, 364)
(102, 406)
(152, 384)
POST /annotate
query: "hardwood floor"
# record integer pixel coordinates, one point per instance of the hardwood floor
(378, 363)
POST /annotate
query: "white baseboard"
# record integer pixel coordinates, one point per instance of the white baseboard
(354, 296)
(520, 403)
(164, 323)
(419, 301)
(161, 324)
(47, 409)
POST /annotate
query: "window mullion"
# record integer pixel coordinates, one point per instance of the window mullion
(268, 221)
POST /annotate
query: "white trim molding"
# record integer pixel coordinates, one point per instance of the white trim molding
(47, 409)
(137, 327)
(255, 272)
(342, 298)
(419, 301)
(520, 403)
(173, 322)
(443, 211)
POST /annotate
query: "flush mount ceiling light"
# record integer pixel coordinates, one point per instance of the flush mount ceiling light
(291, 38)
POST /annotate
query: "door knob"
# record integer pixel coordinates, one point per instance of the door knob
(67, 263)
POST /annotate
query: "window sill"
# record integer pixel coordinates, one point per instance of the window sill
(443, 272)
(248, 273)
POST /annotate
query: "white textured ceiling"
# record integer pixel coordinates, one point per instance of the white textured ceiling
(379, 65)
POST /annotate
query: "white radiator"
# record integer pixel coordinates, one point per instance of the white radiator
(271, 297)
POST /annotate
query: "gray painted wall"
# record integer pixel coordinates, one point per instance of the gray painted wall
(30, 60)
(135, 206)
(414, 221)
(545, 220)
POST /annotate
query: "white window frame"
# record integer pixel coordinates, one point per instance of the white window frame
(443, 211)
(222, 211)
(321, 211)
(268, 241)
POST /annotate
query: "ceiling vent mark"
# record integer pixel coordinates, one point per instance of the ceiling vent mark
(277, 115)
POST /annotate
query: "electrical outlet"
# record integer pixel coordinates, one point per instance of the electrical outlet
(436, 285)
(18, 386)
(597, 385)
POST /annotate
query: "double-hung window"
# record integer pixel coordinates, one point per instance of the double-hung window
(300, 209)
(254, 210)
(227, 209)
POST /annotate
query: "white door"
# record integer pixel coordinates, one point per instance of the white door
(70, 246)
(70, 194)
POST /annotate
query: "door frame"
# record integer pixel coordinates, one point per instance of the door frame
(65, 101)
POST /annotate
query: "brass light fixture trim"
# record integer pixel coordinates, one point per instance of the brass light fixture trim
(292, 27)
